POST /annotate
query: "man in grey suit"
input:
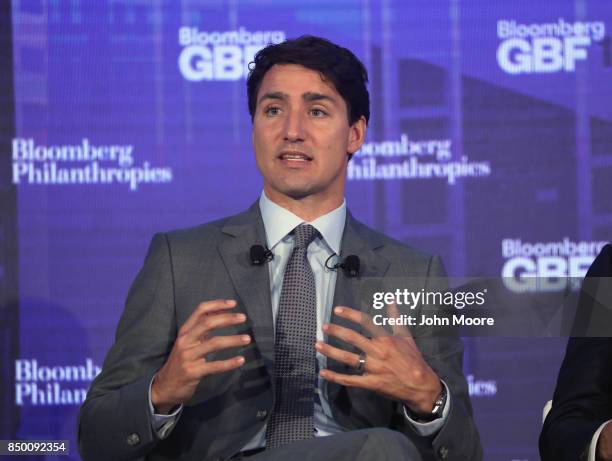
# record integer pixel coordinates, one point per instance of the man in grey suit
(194, 372)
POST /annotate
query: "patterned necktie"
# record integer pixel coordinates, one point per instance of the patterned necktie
(294, 353)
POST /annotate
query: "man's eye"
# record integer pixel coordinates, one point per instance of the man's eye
(272, 111)
(317, 113)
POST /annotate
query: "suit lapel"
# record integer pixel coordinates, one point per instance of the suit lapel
(252, 283)
(361, 241)
(357, 240)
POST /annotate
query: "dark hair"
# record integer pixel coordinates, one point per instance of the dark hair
(337, 64)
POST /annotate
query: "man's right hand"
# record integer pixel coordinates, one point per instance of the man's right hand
(177, 380)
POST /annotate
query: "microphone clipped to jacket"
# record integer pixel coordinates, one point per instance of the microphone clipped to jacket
(350, 265)
(260, 255)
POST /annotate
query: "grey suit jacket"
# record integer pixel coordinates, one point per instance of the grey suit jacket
(186, 267)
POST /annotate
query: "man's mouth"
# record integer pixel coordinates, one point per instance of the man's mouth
(295, 157)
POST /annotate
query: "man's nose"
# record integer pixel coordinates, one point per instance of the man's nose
(294, 127)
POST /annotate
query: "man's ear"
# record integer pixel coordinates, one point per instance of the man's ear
(357, 134)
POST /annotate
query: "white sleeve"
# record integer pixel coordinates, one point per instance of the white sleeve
(434, 426)
(593, 446)
(163, 424)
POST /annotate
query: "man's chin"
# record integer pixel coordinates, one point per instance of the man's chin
(297, 192)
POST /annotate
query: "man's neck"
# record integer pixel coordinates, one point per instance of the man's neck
(308, 208)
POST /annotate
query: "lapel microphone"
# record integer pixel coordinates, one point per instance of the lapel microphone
(350, 265)
(260, 255)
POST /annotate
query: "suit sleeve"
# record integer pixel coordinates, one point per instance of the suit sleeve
(458, 439)
(581, 402)
(115, 419)
(582, 399)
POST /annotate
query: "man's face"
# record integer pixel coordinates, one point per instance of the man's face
(301, 135)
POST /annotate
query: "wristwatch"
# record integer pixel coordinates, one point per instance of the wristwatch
(436, 412)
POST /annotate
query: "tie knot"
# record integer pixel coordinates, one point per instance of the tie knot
(304, 235)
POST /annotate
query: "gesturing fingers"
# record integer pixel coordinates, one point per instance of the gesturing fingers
(348, 336)
(363, 381)
(186, 365)
(217, 343)
(218, 366)
(398, 329)
(206, 308)
(212, 322)
(361, 318)
(339, 355)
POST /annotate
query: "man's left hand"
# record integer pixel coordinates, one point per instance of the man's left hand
(394, 365)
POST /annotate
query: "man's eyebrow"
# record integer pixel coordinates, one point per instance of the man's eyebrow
(273, 95)
(310, 96)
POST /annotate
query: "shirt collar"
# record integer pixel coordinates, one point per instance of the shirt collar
(278, 222)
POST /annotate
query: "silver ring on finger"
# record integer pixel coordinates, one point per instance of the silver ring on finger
(360, 368)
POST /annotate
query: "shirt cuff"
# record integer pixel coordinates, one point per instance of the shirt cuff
(593, 446)
(430, 428)
(163, 424)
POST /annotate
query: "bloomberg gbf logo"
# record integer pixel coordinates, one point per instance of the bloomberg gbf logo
(545, 47)
(546, 266)
(221, 55)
